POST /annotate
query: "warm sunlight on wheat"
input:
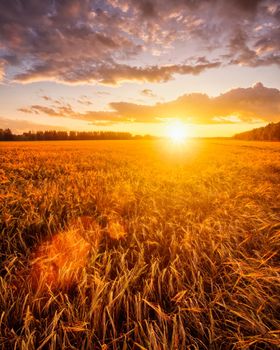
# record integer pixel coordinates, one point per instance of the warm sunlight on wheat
(109, 245)
(139, 175)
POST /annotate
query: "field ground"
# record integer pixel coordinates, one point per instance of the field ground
(140, 245)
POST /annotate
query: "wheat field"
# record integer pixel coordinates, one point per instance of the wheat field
(140, 245)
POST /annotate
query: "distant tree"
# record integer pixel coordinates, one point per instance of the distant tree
(72, 135)
(6, 135)
(270, 132)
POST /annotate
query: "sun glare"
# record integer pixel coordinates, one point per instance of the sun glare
(177, 132)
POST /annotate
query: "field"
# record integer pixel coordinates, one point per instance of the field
(140, 245)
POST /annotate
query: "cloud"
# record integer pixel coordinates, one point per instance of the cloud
(90, 41)
(264, 52)
(148, 93)
(85, 100)
(2, 70)
(19, 126)
(57, 110)
(240, 104)
(155, 74)
(66, 111)
(112, 74)
(251, 103)
(37, 109)
(103, 93)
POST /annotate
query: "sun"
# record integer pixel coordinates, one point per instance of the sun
(177, 132)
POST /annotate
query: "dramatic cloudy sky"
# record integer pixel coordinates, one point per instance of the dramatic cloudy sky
(136, 65)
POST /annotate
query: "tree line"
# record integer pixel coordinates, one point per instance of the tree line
(51, 135)
(270, 132)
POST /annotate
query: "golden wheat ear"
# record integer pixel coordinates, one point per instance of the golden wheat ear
(88, 228)
(116, 230)
(83, 222)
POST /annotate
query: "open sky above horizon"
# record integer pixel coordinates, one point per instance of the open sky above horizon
(139, 65)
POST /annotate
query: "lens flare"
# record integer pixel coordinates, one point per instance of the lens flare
(58, 263)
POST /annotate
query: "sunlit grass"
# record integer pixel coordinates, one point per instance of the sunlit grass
(131, 245)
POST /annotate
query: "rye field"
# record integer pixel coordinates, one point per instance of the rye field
(140, 245)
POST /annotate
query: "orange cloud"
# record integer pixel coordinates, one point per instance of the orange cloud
(241, 104)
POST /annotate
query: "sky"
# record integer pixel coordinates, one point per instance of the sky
(140, 65)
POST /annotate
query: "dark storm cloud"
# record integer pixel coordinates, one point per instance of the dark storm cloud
(244, 104)
(93, 41)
